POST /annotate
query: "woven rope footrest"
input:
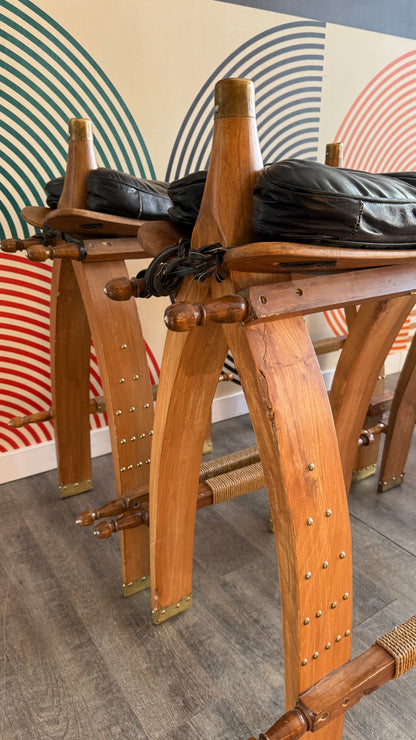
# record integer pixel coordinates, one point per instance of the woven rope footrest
(229, 462)
(236, 482)
(401, 644)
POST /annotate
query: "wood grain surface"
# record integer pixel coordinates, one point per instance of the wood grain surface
(79, 662)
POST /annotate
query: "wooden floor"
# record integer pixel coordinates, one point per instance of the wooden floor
(81, 662)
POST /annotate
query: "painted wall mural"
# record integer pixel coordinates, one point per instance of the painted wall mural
(47, 78)
(286, 66)
(378, 135)
(321, 74)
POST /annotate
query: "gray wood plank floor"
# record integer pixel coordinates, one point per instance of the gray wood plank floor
(80, 662)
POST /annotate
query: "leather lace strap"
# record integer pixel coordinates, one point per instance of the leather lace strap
(165, 273)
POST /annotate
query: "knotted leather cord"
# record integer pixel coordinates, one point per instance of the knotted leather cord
(236, 483)
(165, 273)
(229, 462)
(401, 644)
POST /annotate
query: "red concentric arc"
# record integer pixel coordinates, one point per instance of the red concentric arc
(378, 133)
(25, 353)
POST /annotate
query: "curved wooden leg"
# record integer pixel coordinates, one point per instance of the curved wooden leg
(121, 357)
(70, 375)
(372, 334)
(191, 366)
(293, 424)
(401, 425)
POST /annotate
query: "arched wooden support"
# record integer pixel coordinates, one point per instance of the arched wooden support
(280, 374)
(401, 425)
(190, 369)
(369, 341)
(121, 356)
(192, 362)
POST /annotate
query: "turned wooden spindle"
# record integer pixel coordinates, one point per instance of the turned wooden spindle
(122, 289)
(129, 521)
(368, 436)
(19, 245)
(112, 508)
(40, 253)
(97, 406)
(185, 316)
(225, 376)
(291, 726)
(20, 421)
(337, 692)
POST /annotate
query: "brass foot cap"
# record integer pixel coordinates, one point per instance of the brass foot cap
(139, 584)
(207, 447)
(363, 473)
(386, 485)
(72, 489)
(166, 612)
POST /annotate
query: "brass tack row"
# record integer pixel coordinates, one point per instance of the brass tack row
(309, 520)
(325, 566)
(132, 408)
(319, 612)
(163, 611)
(384, 482)
(135, 377)
(328, 646)
(134, 438)
(130, 467)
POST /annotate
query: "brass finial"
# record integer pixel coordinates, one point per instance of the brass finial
(333, 154)
(234, 97)
(80, 129)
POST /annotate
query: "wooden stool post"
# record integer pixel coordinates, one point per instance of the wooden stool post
(401, 425)
(79, 310)
(368, 343)
(70, 333)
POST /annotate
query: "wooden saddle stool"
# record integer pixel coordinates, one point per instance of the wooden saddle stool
(257, 312)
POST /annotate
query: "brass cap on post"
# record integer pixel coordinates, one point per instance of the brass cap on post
(333, 154)
(234, 97)
(80, 129)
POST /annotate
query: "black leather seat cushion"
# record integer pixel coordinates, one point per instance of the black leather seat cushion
(301, 201)
(118, 193)
(53, 190)
(110, 191)
(186, 195)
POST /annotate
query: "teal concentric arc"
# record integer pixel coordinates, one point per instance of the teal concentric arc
(286, 65)
(47, 77)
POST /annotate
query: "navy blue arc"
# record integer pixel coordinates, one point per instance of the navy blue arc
(286, 66)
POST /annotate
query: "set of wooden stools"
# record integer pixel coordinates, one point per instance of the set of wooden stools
(306, 458)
